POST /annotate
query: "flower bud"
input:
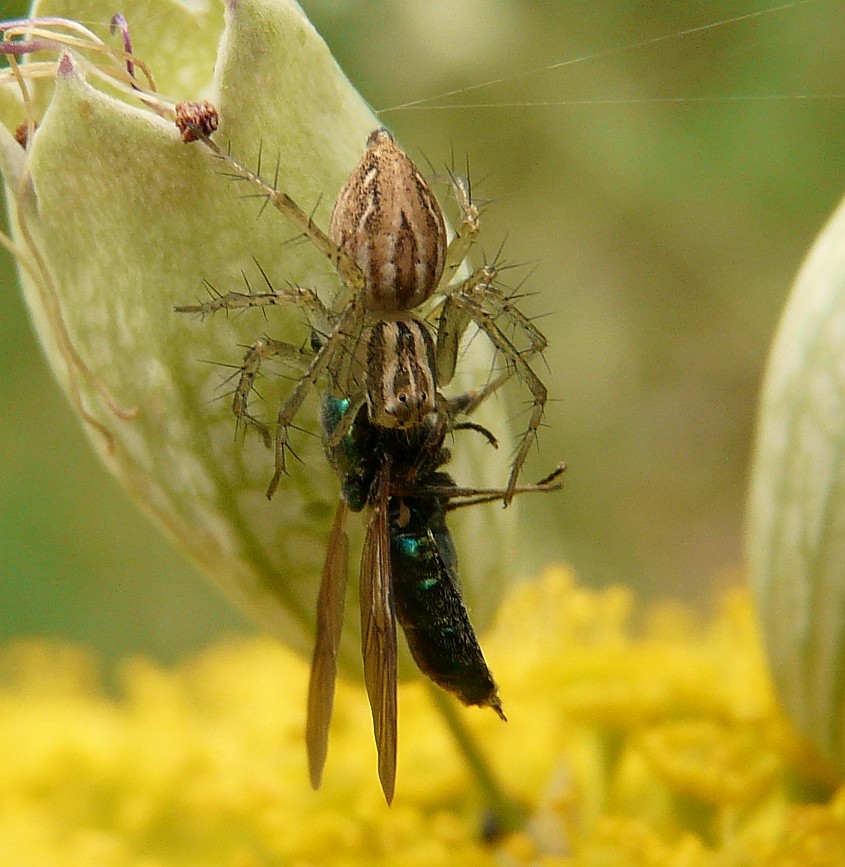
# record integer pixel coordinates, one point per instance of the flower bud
(796, 527)
(117, 221)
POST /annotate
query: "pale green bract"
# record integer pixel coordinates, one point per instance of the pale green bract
(116, 221)
(796, 532)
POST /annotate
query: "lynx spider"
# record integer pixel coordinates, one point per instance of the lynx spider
(387, 242)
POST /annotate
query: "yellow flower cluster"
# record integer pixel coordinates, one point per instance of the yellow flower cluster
(633, 739)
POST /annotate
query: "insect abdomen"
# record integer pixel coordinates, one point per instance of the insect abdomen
(429, 606)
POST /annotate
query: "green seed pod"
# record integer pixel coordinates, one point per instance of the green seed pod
(796, 518)
(116, 221)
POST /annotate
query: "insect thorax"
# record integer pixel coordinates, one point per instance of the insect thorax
(415, 454)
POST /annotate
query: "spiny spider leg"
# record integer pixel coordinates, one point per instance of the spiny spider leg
(297, 296)
(464, 238)
(453, 320)
(351, 276)
(517, 363)
(454, 316)
(263, 349)
(346, 421)
(319, 364)
(502, 305)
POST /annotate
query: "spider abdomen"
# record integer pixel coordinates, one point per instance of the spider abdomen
(387, 219)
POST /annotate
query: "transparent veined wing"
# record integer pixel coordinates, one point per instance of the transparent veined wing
(378, 632)
(330, 608)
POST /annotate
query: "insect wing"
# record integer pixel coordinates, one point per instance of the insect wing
(330, 606)
(378, 635)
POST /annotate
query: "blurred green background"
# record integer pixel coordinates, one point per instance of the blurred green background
(661, 237)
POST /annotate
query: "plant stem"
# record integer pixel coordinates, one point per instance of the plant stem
(507, 815)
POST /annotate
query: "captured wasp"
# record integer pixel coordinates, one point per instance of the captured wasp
(409, 567)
